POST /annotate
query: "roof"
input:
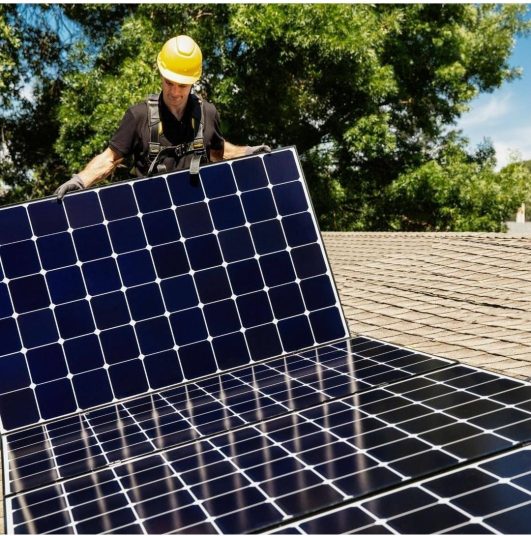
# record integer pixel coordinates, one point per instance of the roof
(465, 296)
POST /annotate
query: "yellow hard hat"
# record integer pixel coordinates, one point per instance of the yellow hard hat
(180, 60)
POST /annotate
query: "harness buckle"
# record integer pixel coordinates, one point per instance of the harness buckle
(198, 145)
(154, 148)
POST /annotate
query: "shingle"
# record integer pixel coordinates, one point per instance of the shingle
(461, 295)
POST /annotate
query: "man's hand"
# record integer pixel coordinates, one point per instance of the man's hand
(100, 167)
(257, 149)
(75, 183)
(236, 151)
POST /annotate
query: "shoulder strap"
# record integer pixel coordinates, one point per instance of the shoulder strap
(197, 116)
(155, 124)
(198, 145)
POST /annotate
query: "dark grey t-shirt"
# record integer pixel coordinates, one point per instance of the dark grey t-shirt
(133, 135)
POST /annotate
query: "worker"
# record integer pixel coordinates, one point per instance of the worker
(171, 131)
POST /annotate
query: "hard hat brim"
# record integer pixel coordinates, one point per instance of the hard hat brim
(175, 77)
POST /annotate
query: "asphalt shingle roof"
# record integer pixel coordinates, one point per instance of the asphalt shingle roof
(465, 296)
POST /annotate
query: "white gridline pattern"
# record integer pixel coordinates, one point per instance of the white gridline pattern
(343, 520)
(114, 255)
(319, 374)
(232, 448)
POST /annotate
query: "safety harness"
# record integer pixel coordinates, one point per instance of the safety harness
(156, 150)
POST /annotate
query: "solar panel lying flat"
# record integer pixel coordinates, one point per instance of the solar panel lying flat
(270, 472)
(141, 285)
(175, 359)
(491, 497)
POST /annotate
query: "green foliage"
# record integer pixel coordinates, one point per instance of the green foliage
(455, 192)
(366, 92)
(9, 43)
(527, 165)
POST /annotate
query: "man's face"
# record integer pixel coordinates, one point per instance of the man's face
(175, 94)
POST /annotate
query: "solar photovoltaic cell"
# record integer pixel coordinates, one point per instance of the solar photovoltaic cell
(41, 455)
(163, 281)
(267, 473)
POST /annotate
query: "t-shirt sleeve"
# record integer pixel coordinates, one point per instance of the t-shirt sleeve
(125, 137)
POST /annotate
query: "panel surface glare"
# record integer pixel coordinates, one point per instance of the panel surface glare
(71, 446)
(137, 286)
(267, 473)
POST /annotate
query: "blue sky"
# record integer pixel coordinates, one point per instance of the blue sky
(504, 116)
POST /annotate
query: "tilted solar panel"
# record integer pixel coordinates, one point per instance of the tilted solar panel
(134, 287)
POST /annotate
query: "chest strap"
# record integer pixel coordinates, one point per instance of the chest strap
(198, 145)
(156, 149)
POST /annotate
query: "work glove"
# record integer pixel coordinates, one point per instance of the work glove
(257, 149)
(75, 183)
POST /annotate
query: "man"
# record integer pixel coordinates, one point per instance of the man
(171, 131)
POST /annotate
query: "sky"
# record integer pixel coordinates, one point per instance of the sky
(504, 115)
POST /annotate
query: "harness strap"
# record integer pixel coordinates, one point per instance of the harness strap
(155, 125)
(156, 149)
(177, 150)
(198, 147)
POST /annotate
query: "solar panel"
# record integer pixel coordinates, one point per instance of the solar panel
(133, 287)
(490, 497)
(269, 472)
(41, 455)
(175, 359)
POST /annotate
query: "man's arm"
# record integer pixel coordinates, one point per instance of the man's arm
(229, 151)
(234, 151)
(99, 168)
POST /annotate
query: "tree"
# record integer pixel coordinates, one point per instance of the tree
(34, 41)
(366, 92)
(457, 192)
(9, 42)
